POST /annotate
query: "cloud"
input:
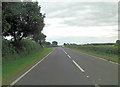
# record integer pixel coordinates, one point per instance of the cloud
(74, 31)
(83, 14)
(80, 19)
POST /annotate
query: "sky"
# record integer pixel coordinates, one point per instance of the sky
(80, 22)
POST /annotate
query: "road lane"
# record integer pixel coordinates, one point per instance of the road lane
(55, 69)
(100, 71)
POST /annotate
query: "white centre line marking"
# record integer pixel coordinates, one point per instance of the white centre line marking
(87, 76)
(78, 66)
(29, 70)
(69, 56)
(64, 51)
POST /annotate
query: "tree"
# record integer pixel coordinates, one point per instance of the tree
(39, 37)
(48, 43)
(54, 43)
(64, 44)
(118, 41)
(22, 19)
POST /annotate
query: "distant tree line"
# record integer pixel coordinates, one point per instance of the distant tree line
(117, 43)
(69, 44)
(53, 44)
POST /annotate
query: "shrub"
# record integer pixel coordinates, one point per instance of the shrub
(10, 52)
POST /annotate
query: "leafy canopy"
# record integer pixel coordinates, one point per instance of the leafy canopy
(22, 19)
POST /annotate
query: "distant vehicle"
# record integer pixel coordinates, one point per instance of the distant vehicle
(63, 46)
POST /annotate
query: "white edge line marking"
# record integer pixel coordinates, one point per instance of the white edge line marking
(78, 66)
(29, 70)
(103, 59)
(69, 56)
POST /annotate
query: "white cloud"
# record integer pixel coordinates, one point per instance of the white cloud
(73, 31)
(76, 22)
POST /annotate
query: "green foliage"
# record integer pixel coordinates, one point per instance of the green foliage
(109, 52)
(10, 52)
(118, 42)
(54, 43)
(7, 49)
(22, 19)
(109, 49)
(47, 44)
(39, 38)
(64, 44)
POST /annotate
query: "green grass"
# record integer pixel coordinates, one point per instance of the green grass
(101, 52)
(12, 68)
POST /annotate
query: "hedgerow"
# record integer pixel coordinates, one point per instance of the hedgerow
(11, 52)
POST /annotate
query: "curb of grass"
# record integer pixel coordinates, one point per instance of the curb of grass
(95, 55)
(17, 75)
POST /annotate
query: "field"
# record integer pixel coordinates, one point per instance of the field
(109, 52)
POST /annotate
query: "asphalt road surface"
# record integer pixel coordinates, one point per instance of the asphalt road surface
(64, 66)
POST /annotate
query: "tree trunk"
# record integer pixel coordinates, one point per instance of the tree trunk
(14, 36)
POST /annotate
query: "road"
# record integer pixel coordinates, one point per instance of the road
(64, 66)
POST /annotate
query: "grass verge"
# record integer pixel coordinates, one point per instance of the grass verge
(12, 68)
(109, 57)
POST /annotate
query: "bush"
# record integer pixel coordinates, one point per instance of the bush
(10, 52)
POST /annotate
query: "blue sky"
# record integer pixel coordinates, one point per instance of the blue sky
(80, 22)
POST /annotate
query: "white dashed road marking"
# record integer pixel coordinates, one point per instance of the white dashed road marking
(69, 56)
(64, 51)
(78, 66)
(74, 62)
(87, 76)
